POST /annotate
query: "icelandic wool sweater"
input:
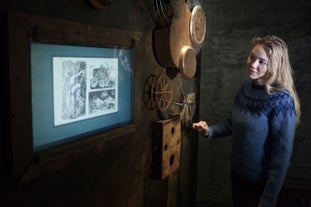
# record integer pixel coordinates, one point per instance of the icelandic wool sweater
(262, 126)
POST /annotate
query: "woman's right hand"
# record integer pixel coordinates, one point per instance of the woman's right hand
(201, 127)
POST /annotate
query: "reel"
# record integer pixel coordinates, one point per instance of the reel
(162, 92)
(158, 92)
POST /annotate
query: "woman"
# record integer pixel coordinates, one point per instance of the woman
(265, 115)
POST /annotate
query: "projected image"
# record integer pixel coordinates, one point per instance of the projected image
(77, 90)
(84, 88)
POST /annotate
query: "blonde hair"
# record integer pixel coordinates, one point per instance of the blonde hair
(279, 74)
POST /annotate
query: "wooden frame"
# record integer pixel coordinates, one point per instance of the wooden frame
(78, 90)
(22, 30)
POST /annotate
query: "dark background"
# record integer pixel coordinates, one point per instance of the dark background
(119, 175)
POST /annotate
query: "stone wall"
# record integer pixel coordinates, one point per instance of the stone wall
(230, 28)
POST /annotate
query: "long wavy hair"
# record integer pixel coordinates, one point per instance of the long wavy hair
(280, 74)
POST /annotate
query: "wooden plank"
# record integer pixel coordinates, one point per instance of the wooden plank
(63, 156)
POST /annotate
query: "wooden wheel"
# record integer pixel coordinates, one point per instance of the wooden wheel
(162, 92)
(149, 100)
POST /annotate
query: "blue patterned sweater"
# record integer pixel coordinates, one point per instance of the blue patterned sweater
(262, 126)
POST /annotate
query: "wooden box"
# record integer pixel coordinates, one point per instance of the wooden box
(166, 137)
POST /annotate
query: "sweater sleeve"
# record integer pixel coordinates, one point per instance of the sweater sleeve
(221, 129)
(282, 129)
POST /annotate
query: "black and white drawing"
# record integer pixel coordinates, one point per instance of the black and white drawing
(84, 88)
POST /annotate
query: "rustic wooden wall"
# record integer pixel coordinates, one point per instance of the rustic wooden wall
(118, 174)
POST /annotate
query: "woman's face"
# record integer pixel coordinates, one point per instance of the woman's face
(257, 65)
